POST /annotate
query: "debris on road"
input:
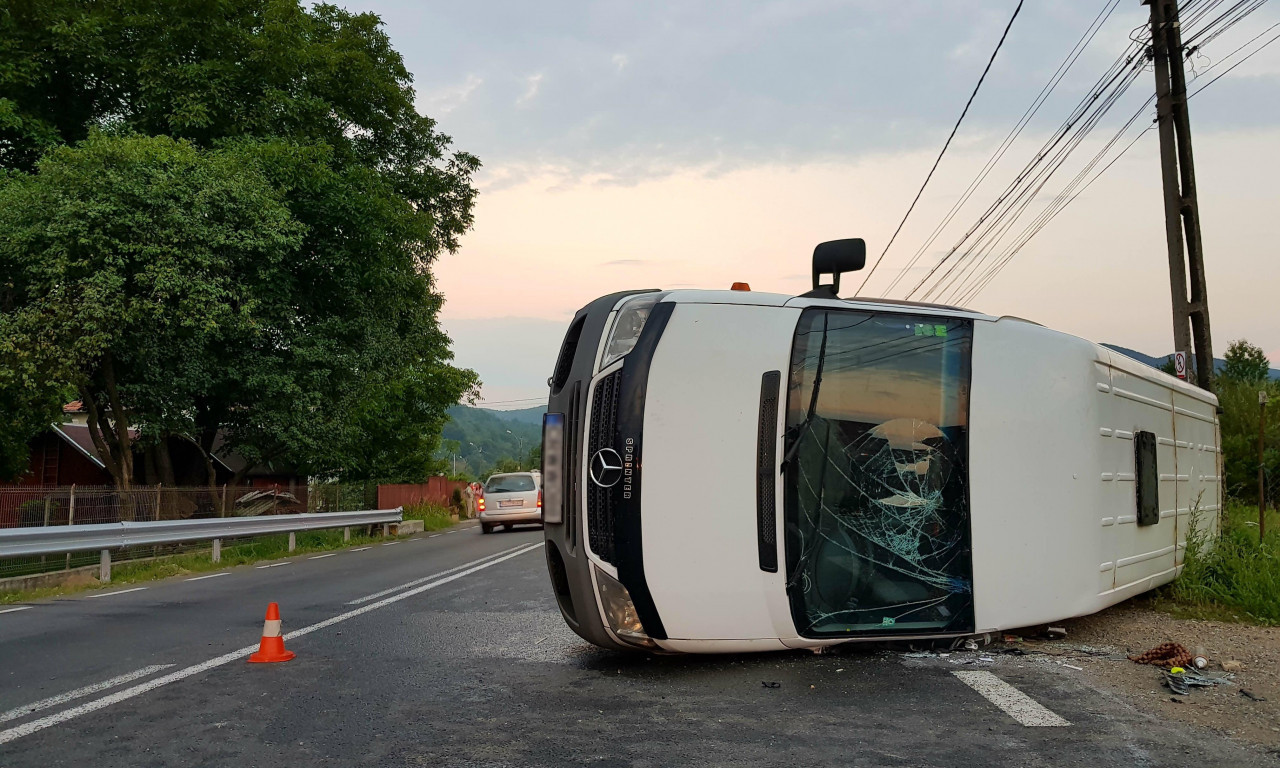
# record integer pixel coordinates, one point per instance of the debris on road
(1165, 655)
(1055, 633)
(1231, 665)
(770, 684)
(1180, 681)
(1200, 659)
(1250, 695)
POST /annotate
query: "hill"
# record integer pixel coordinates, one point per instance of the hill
(1156, 362)
(484, 437)
(523, 415)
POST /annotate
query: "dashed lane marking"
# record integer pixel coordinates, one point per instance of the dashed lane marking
(12, 610)
(1010, 700)
(26, 729)
(432, 536)
(274, 565)
(425, 579)
(361, 549)
(389, 543)
(117, 592)
(321, 557)
(210, 576)
(80, 693)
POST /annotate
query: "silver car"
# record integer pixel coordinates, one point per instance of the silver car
(509, 499)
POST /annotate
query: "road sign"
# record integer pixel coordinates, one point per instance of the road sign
(1180, 364)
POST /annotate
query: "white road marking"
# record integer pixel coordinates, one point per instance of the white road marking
(11, 610)
(1010, 700)
(273, 565)
(210, 576)
(78, 693)
(361, 549)
(432, 536)
(321, 557)
(117, 592)
(416, 538)
(453, 531)
(26, 729)
(389, 543)
(425, 579)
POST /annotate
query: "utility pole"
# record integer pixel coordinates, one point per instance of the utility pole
(1181, 209)
(1262, 486)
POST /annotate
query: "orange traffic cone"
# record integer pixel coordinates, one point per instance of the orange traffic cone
(272, 647)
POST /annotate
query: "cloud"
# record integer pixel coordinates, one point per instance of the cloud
(532, 84)
(446, 99)
(624, 263)
(642, 89)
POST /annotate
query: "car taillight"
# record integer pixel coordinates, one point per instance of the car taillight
(539, 499)
(480, 503)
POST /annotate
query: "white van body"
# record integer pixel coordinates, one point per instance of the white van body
(1017, 504)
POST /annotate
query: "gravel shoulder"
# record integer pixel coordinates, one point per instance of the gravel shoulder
(1100, 644)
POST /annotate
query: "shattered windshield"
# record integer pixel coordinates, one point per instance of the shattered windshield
(877, 517)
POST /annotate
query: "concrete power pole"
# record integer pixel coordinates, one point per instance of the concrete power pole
(1181, 210)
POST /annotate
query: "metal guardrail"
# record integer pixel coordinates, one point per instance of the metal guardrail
(56, 539)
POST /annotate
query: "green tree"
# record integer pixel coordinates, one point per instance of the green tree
(1245, 362)
(125, 319)
(305, 358)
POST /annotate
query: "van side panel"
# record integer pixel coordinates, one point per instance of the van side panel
(1053, 471)
(1034, 474)
(701, 552)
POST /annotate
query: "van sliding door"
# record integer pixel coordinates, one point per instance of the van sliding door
(876, 506)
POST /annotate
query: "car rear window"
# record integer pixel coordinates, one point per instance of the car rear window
(509, 484)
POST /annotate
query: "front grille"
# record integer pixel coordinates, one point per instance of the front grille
(602, 503)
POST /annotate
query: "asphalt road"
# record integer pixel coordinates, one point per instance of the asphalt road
(449, 651)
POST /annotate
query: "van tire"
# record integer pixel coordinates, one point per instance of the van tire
(486, 528)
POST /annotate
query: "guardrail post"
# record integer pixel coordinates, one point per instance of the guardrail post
(71, 518)
(293, 541)
(104, 566)
(217, 550)
(346, 533)
(386, 530)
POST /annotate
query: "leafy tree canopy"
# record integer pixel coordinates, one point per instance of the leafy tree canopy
(1245, 362)
(224, 215)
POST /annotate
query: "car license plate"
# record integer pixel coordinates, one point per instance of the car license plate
(512, 503)
(553, 467)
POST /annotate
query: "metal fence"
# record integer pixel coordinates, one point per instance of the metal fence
(49, 506)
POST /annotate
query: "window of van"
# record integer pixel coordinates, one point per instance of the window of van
(509, 484)
(876, 505)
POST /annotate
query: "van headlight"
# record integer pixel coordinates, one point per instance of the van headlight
(620, 612)
(627, 326)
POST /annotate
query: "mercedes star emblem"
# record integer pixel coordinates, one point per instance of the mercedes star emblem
(606, 468)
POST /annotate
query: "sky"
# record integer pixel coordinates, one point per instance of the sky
(675, 144)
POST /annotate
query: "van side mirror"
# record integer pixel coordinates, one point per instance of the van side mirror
(834, 258)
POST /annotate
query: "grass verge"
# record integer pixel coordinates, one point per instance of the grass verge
(233, 554)
(1233, 577)
(433, 517)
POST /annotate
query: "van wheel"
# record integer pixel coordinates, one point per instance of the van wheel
(486, 528)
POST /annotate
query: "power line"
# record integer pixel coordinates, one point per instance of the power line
(1072, 56)
(955, 128)
(969, 270)
(981, 285)
(1036, 172)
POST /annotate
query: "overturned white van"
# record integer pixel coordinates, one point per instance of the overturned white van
(734, 471)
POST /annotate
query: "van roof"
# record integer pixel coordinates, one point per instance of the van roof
(759, 298)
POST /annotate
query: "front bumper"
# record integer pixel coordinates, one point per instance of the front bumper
(568, 560)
